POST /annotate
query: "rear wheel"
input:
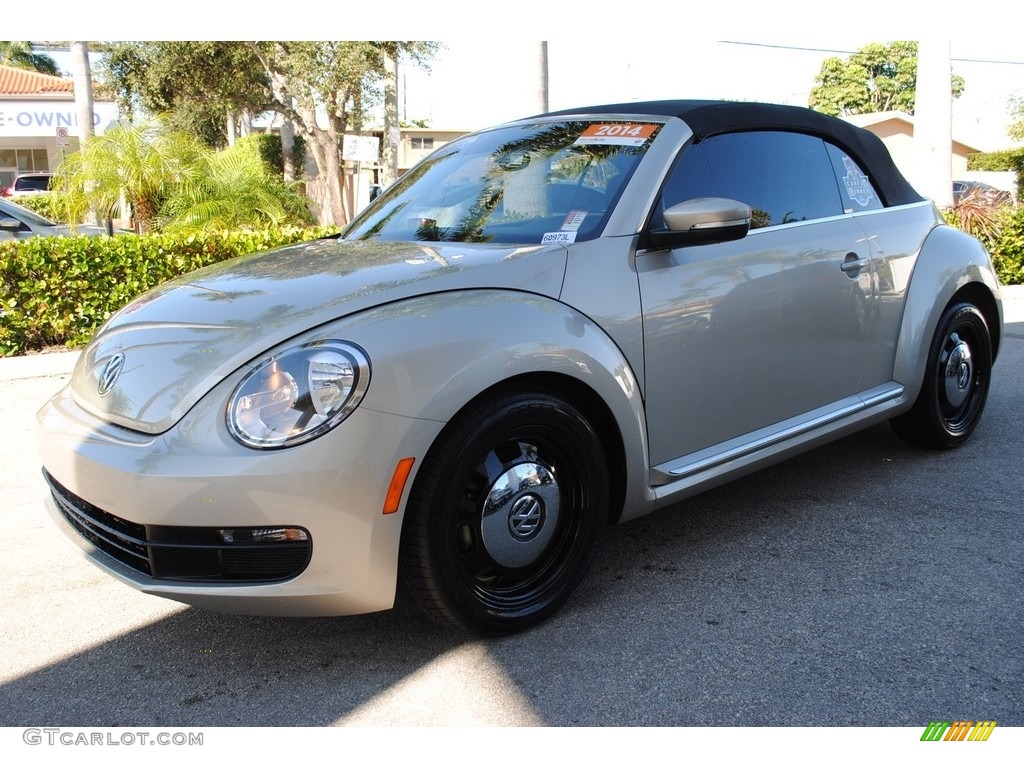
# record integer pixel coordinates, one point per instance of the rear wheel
(505, 515)
(956, 382)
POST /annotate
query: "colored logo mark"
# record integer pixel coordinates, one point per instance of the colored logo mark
(958, 730)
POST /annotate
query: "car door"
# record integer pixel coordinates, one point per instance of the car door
(767, 330)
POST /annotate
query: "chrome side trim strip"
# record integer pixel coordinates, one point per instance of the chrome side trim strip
(864, 401)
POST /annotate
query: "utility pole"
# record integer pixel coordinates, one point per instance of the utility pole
(541, 85)
(933, 122)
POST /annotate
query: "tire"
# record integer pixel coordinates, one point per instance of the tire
(956, 382)
(505, 515)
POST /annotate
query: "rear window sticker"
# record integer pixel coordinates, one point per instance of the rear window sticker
(858, 187)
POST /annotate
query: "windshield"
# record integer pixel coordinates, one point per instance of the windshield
(528, 183)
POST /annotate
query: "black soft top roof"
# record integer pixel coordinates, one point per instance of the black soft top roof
(708, 118)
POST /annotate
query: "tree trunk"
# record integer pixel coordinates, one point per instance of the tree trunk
(82, 75)
(288, 149)
(82, 79)
(392, 129)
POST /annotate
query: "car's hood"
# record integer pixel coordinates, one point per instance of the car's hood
(179, 340)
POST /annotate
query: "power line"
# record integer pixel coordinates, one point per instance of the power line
(850, 52)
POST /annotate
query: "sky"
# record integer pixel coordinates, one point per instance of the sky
(750, 49)
(473, 84)
(756, 51)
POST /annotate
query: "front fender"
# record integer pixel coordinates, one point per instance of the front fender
(950, 262)
(431, 355)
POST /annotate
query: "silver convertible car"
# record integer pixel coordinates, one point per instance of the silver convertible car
(546, 327)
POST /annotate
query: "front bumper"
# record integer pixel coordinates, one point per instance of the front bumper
(115, 488)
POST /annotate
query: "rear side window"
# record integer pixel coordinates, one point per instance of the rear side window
(783, 177)
(855, 188)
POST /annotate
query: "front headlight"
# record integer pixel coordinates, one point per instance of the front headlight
(298, 395)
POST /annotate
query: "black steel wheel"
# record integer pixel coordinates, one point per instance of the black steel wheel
(505, 515)
(956, 382)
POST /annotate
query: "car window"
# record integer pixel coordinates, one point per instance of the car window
(531, 183)
(783, 177)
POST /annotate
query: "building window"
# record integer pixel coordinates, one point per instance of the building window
(17, 161)
(422, 142)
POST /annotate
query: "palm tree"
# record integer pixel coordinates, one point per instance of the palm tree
(137, 165)
(234, 189)
(19, 54)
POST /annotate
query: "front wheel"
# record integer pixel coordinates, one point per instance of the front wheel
(956, 382)
(505, 515)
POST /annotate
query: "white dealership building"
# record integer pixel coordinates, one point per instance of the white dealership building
(39, 122)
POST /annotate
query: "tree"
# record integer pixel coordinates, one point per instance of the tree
(198, 85)
(324, 88)
(877, 78)
(19, 54)
(1016, 129)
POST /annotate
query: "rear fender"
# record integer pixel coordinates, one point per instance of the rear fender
(951, 264)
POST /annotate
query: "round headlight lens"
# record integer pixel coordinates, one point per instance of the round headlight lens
(298, 395)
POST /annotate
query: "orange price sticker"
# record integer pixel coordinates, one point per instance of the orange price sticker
(631, 134)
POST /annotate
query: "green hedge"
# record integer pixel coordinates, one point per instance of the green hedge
(44, 205)
(1007, 247)
(59, 290)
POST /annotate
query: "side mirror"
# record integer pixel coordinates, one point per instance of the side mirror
(10, 225)
(703, 220)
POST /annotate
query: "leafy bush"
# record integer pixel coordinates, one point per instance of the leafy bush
(1007, 248)
(1002, 160)
(59, 290)
(1002, 233)
(51, 206)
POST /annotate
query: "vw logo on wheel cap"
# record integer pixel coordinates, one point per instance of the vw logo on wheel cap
(110, 372)
(526, 517)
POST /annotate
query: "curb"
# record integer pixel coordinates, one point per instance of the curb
(44, 365)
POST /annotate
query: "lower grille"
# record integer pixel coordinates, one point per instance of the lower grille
(187, 553)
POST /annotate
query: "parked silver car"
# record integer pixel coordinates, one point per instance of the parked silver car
(546, 327)
(18, 222)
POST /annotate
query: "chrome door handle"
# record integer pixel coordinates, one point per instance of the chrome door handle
(853, 264)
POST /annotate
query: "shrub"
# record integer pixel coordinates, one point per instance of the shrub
(59, 290)
(51, 206)
(1007, 248)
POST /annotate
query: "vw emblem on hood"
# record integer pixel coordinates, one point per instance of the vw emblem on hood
(110, 373)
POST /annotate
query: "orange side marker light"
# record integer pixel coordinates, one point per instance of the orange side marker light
(397, 487)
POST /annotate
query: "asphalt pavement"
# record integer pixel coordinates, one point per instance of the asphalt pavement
(864, 583)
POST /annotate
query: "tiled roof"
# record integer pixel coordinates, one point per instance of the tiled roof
(22, 82)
